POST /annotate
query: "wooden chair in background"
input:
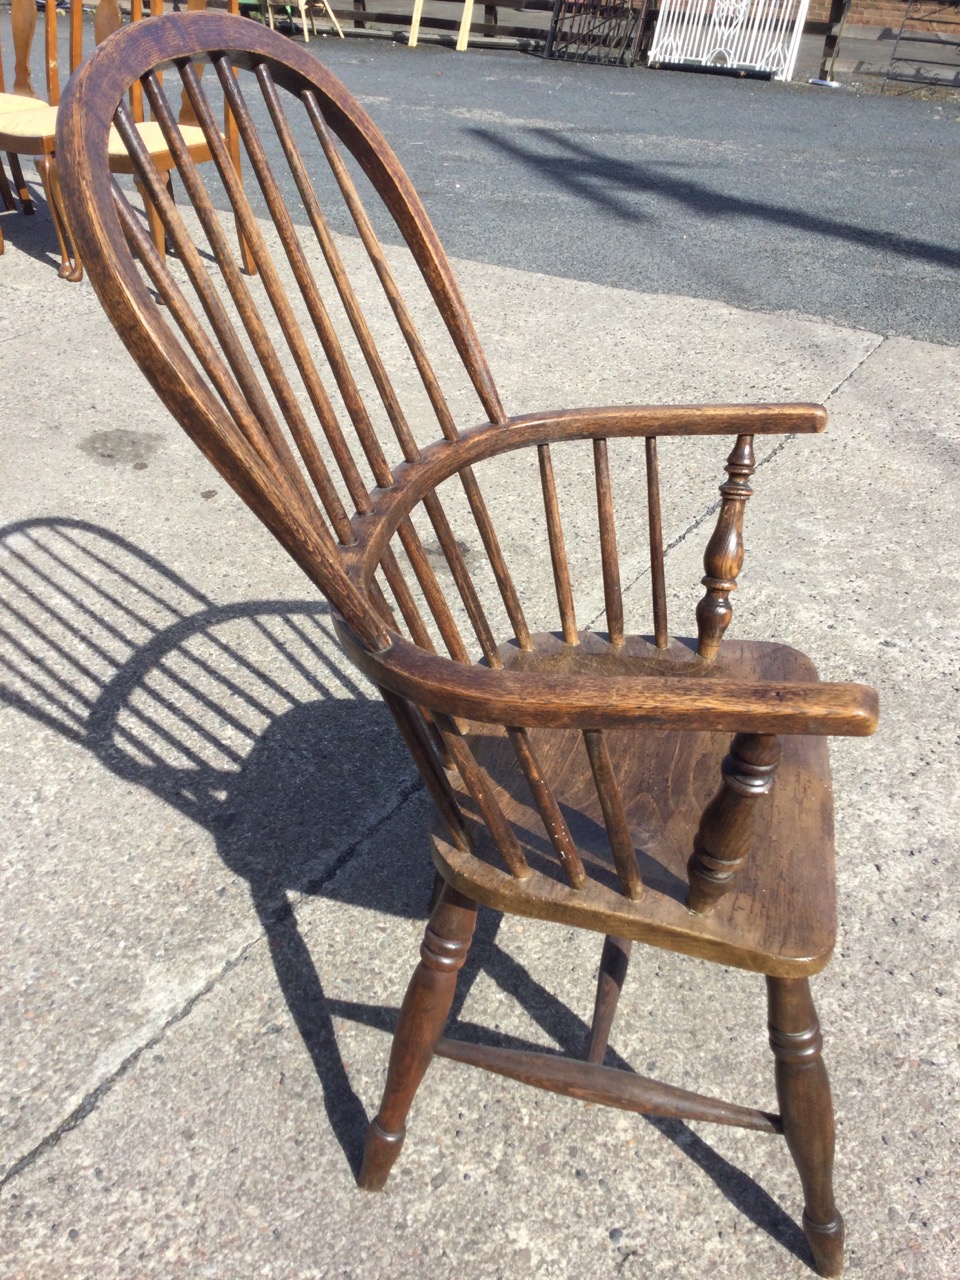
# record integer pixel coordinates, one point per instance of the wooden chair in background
(562, 763)
(28, 128)
(463, 31)
(306, 7)
(21, 97)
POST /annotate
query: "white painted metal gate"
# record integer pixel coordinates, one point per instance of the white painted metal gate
(747, 35)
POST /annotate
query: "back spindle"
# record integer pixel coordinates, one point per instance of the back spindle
(614, 814)
(476, 782)
(550, 813)
(658, 583)
(558, 551)
(723, 557)
(610, 562)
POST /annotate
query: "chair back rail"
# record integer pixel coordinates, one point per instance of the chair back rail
(318, 400)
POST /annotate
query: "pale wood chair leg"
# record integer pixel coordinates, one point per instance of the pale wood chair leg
(157, 230)
(328, 8)
(613, 970)
(71, 267)
(247, 259)
(23, 191)
(464, 36)
(415, 24)
(423, 1014)
(806, 1109)
(304, 21)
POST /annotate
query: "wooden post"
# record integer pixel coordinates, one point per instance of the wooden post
(723, 557)
(806, 1110)
(422, 1018)
(727, 825)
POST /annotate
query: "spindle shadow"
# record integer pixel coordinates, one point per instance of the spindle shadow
(239, 718)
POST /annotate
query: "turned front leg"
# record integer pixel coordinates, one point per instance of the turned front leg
(728, 824)
(806, 1110)
(423, 1015)
(723, 558)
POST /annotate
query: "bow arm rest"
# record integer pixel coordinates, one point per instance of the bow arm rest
(497, 696)
(673, 420)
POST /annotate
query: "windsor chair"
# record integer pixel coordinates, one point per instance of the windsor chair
(561, 762)
(28, 124)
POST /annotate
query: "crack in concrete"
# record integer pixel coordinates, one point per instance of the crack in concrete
(92, 1100)
(881, 339)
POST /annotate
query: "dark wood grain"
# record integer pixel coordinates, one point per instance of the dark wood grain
(613, 973)
(609, 558)
(422, 1017)
(803, 1092)
(658, 585)
(584, 779)
(723, 558)
(728, 825)
(605, 1085)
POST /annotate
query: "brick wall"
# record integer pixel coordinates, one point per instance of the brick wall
(889, 13)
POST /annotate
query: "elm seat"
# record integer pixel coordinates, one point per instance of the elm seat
(780, 916)
(649, 788)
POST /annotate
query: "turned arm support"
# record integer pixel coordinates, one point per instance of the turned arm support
(723, 558)
(728, 823)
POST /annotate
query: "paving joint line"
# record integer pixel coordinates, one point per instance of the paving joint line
(881, 339)
(92, 1100)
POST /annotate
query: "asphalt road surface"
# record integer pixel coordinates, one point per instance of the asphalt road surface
(772, 197)
(765, 196)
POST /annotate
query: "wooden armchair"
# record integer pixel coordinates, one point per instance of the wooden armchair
(28, 124)
(669, 791)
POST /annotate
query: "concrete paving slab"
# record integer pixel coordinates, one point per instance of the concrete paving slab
(165, 797)
(851, 554)
(227, 1149)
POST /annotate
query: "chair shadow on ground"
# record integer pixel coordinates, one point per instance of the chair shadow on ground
(238, 717)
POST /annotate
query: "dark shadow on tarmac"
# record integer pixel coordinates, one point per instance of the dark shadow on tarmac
(591, 176)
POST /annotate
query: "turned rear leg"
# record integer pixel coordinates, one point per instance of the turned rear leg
(613, 971)
(423, 1015)
(806, 1109)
